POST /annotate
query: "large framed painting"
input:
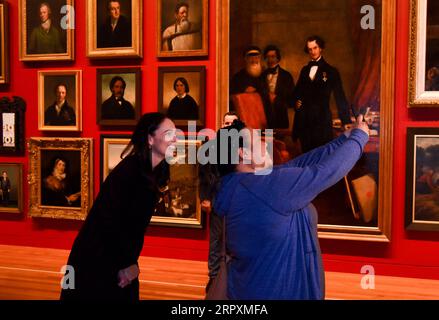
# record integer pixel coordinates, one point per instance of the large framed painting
(11, 187)
(60, 177)
(182, 28)
(424, 53)
(280, 60)
(182, 94)
(12, 126)
(46, 30)
(118, 96)
(422, 191)
(4, 42)
(114, 29)
(179, 205)
(60, 100)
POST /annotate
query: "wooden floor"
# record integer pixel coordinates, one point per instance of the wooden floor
(34, 273)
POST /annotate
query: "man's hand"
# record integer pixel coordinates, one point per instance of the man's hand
(358, 124)
(206, 206)
(125, 276)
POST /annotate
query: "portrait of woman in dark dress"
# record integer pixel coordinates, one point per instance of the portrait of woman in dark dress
(105, 252)
(57, 187)
(182, 106)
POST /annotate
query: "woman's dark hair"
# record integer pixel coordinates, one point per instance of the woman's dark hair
(317, 39)
(211, 174)
(138, 146)
(185, 83)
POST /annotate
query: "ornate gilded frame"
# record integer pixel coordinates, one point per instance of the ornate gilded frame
(382, 232)
(84, 146)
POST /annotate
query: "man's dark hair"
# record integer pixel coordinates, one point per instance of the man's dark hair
(179, 5)
(114, 80)
(61, 84)
(229, 167)
(231, 113)
(252, 51)
(110, 1)
(272, 47)
(185, 83)
(317, 39)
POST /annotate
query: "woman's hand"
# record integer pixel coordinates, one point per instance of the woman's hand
(125, 276)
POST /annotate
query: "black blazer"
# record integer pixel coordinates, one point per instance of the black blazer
(277, 113)
(120, 37)
(112, 235)
(313, 120)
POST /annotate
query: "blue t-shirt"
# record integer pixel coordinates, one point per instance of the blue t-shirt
(271, 225)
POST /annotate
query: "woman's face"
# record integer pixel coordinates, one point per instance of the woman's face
(164, 139)
(60, 166)
(180, 88)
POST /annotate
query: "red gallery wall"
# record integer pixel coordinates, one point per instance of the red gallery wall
(410, 254)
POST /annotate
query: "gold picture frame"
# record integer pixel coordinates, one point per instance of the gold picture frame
(60, 193)
(4, 42)
(11, 199)
(50, 82)
(101, 46)
(61, 30)
(112, 146)
(381, 232)
(423, 83)
(191, 43)
(179, 205)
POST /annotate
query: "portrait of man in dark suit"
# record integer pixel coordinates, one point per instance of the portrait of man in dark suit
(317, 81)
(60, 113)
(115, 30)
(277, 89)
(116, 107)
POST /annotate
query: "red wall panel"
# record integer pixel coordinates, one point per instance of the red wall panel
(411, 254)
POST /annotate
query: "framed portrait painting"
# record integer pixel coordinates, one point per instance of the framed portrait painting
(422, 198)
(112, 146)
(4, 42)
(12, 126)
(118, 96)
(46, 30)
(114, 29)
(60, 100)
(342, 49)
(60, 177)
(182, 28)
(182, 94)
(424, 53)
(179, 205)
(11, 187)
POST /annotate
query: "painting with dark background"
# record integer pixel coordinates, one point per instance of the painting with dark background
(354, 51)
(33, 19)
(432, 55)
(73, 168)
